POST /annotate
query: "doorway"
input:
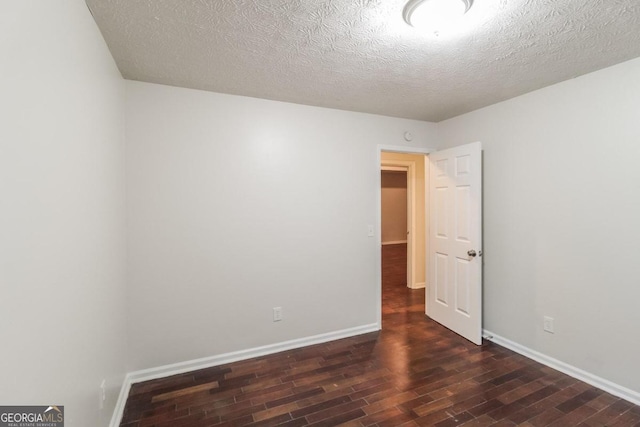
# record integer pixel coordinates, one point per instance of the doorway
(394, 206)
(402, 227)
(452, 192)
(395, 209)
(414, 231)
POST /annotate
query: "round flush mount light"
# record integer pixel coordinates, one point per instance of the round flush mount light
(434, 15)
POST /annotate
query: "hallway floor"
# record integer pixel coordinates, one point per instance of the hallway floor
(412, 373)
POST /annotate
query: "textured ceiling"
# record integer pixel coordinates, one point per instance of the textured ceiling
(359, 55)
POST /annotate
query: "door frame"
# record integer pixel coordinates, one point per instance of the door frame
(378, 182)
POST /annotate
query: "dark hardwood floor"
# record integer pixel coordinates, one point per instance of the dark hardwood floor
(413, 372)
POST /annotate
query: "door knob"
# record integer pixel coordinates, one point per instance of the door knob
(471, 253)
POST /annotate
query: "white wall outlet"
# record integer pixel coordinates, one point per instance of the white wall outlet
(548, 324)
(370, 231)
(102, 396)
(277, 314)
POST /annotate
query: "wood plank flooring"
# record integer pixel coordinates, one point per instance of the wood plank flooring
(412, 373)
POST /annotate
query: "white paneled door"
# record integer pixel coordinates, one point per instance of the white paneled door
(454, 296)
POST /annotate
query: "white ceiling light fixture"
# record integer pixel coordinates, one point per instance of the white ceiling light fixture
(435, 15)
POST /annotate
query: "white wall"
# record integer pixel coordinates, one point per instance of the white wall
(237, 205)
(62, 317)
(561, 209)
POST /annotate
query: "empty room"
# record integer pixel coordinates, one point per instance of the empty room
(192, 196)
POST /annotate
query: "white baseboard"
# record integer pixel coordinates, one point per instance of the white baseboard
(420, 285)
(394, 242)
(589, 378)
(221, 359)
(118, 411)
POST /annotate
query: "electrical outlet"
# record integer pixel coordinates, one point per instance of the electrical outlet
(277, 314)
(548, 324)
(102, 397)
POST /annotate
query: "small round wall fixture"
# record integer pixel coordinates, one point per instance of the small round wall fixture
(408, 136)
(434, 15)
